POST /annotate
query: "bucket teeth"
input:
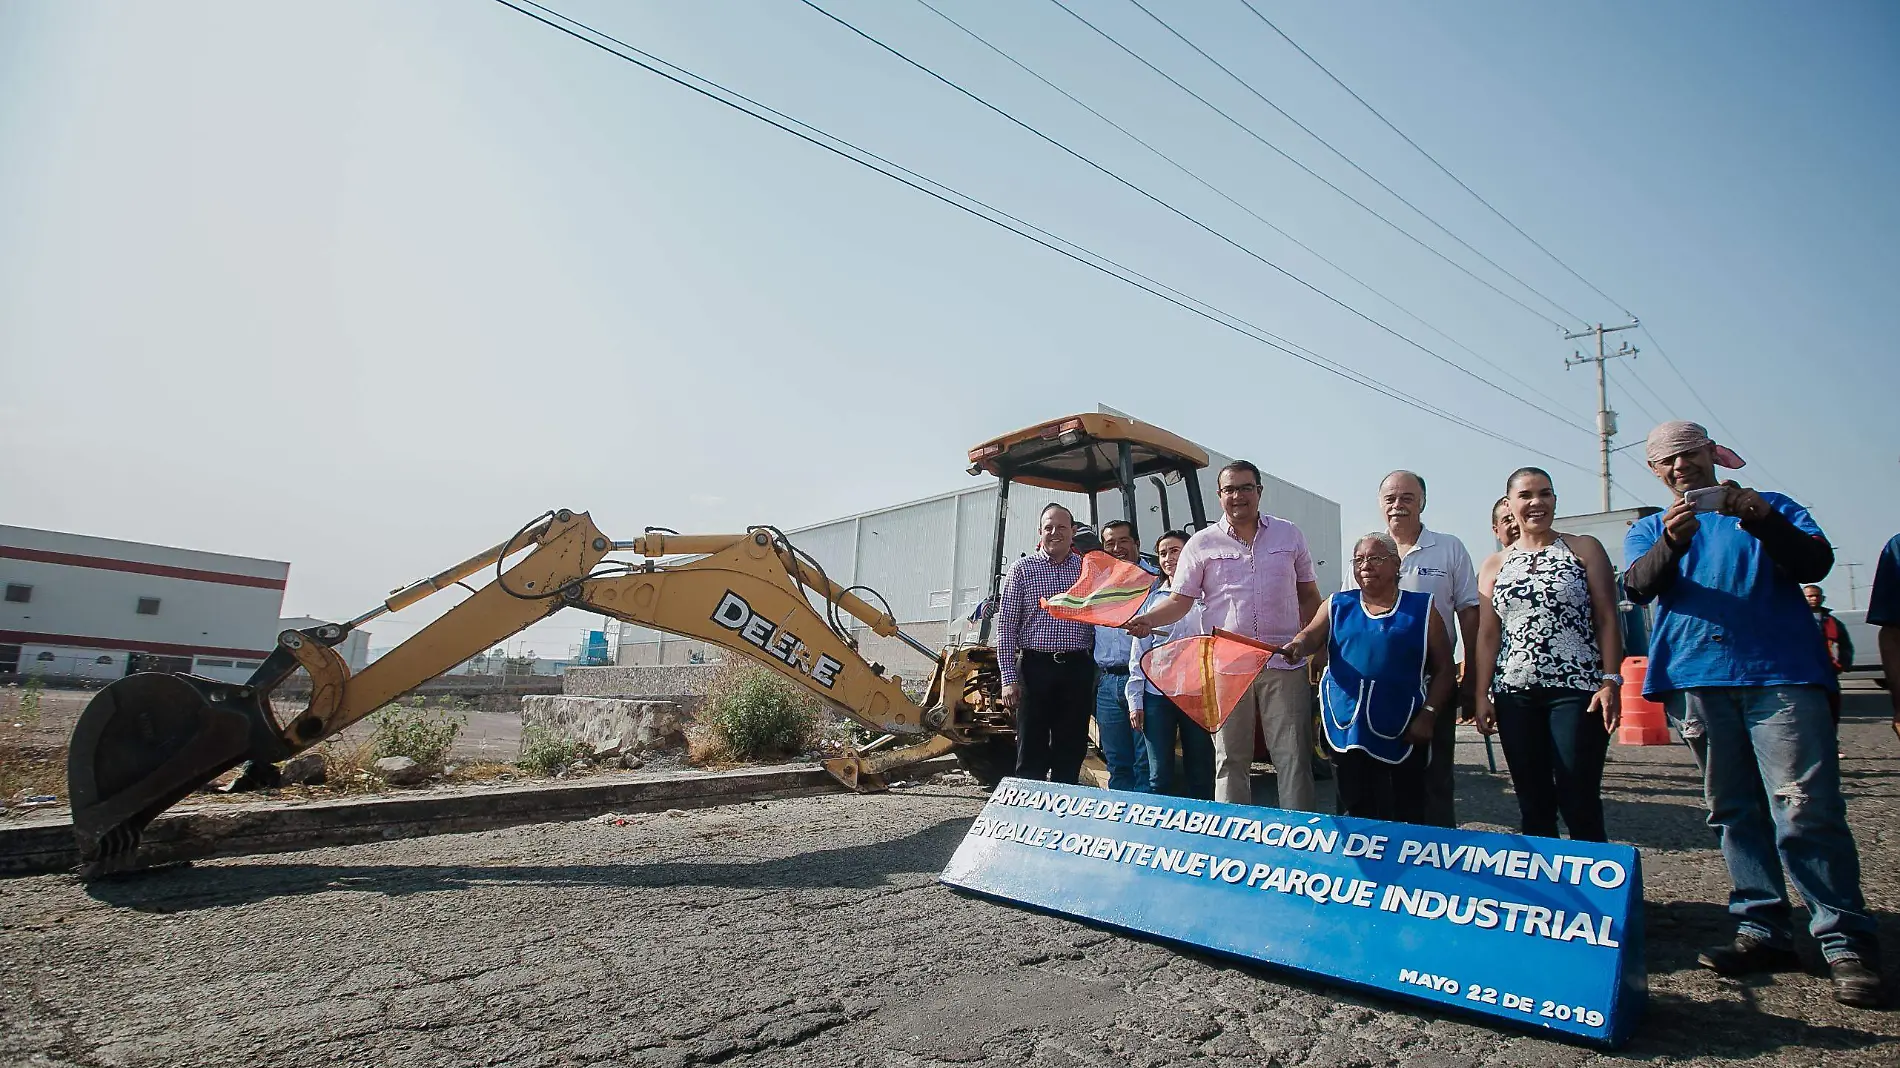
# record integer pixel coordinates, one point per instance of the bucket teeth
(117, 849)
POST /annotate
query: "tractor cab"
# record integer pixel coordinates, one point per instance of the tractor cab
(1089, 454)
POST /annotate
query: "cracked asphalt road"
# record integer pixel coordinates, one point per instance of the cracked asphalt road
(813, 931)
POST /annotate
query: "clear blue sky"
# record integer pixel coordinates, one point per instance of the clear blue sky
(364, 286)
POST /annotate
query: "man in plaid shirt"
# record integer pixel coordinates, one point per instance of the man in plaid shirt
(1047, 663)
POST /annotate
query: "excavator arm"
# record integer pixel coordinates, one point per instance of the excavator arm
(149, 739)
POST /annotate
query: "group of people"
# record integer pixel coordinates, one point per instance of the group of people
(1737, 658)
(1250, 574)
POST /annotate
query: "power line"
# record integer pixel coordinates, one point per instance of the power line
(963, 202)
(1680, 377)
(1322, 179)
(1662, 403)
(1630, 396)
(1262, 97)
(1185, 216)
(1714, 419)
(1217, 191)
(1434, 160)
(1636, 463)
(1660, 351)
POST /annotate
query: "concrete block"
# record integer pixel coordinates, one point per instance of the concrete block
(608, 723)
(305, 770)
(400, 771)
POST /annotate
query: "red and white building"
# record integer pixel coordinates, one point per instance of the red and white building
(96, 608)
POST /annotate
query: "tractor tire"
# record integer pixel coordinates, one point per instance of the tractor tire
(988, 762)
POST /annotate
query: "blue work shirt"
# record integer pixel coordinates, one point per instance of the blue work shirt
(1113, 644)
(1731, 618)
(1883, 608)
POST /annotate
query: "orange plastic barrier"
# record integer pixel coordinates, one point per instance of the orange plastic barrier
(1643, 722)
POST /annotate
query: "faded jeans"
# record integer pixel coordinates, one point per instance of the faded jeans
(1123, 751)
(1773, 783)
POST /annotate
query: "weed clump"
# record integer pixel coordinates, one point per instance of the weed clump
(30, 701)
(545, 751)
(752, 713)
(347, 760)
(423, 735)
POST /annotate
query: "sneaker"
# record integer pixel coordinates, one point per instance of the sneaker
(1748, 954)
(1855, 983)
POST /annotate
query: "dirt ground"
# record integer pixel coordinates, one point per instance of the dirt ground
(813, 931)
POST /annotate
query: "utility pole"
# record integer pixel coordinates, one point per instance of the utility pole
(1852, 603)
(1606, 419)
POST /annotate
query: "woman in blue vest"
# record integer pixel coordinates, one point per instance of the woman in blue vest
(1382, 644)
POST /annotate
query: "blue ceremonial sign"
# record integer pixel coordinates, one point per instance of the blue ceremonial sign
(1543, 933)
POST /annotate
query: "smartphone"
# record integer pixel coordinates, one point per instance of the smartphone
(1707, 499)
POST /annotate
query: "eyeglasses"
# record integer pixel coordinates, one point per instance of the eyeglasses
(1226, 491)
(1361, 561)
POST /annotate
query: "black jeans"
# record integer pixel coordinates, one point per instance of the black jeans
(1052, 716)
(1374, 790)
(1555, 747)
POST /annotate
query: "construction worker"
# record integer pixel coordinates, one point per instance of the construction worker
(1840, 646)
(1734, 661)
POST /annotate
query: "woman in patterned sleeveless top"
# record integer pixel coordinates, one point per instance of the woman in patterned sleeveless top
(1549, 645)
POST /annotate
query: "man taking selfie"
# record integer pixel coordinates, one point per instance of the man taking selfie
(1735, 662)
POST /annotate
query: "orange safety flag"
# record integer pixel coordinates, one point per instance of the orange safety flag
(1205, 674)
(1108, 594)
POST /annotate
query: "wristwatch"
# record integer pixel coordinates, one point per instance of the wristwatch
(1618, 679)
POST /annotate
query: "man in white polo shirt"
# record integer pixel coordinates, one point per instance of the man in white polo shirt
(1434, 563)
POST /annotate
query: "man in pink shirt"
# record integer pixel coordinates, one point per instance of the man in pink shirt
(1254, 576)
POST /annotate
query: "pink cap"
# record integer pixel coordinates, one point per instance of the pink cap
(1679, 436)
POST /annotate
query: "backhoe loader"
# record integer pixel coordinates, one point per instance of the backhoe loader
(149, 739)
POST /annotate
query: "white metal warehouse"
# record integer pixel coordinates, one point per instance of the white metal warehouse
(82, 607)
(930, 557)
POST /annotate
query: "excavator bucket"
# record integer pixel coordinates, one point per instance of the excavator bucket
(146, 741)
(865, 771)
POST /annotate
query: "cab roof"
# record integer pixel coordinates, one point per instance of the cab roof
(1080, 453)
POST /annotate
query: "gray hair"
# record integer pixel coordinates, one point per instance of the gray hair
(1414, 476)
(1379, 536)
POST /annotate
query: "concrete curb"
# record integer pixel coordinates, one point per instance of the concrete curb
(280, 827)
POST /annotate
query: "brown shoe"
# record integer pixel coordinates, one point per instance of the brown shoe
(1748, 954)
